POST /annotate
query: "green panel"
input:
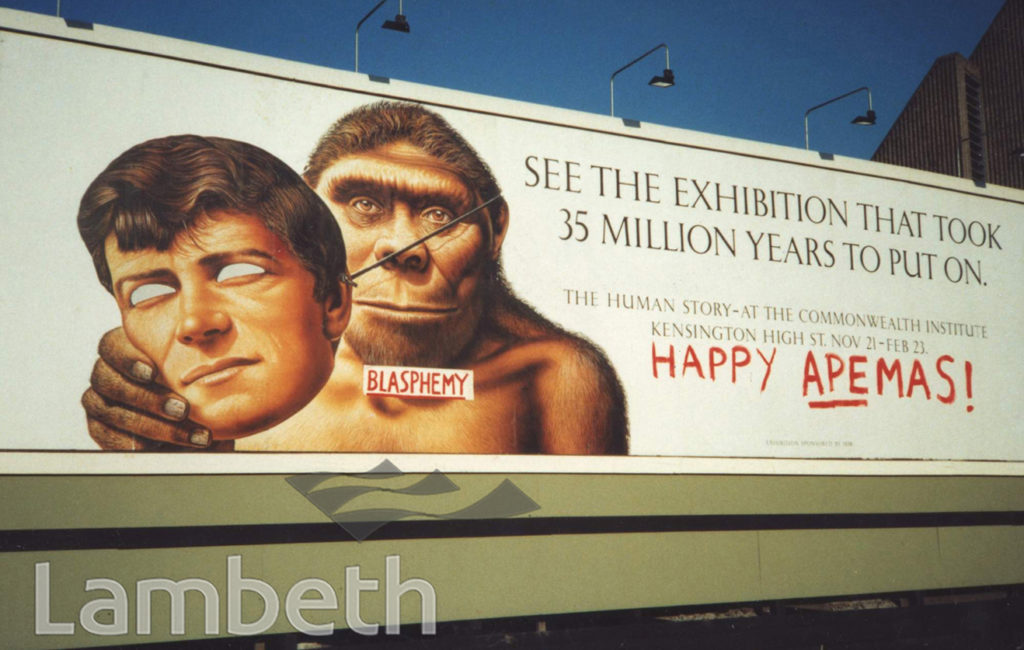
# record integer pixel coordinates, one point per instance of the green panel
(497, 577)
(834, 562)
(982, 556)
(527, 575)
(472, 578)
(111, 501)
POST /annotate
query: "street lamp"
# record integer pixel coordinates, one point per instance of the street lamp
(860, 120)
(663, 80)
(399, 24)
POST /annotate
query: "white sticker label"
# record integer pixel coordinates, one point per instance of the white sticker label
(426, 383)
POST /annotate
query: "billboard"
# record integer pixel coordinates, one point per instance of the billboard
(522, 282)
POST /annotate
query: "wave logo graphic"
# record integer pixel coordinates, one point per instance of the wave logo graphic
(334, 500)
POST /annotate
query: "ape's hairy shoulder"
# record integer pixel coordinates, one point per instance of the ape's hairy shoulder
(575, 389)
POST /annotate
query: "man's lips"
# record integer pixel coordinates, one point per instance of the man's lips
(410, 308)
(217, 371)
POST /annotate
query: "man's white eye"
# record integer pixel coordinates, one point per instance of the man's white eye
(239, 269)
(146, 292)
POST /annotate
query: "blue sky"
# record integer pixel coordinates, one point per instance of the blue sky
(744, 68)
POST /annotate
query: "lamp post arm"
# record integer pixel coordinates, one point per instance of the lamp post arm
(836, 99)
(360, 24)
(611, 83)
(807, 140)
(639, 58)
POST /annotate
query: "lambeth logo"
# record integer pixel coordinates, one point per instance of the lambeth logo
(334, 494)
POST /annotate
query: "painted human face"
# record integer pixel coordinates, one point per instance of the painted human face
(228, 315)
(423, 306)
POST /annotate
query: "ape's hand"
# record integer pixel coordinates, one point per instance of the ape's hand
(127, 410)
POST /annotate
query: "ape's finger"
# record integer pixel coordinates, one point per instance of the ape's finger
(140, 424)
(111, 439)
(151, 398)
(120, 354)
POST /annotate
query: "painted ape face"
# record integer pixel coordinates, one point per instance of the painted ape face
(423, 306)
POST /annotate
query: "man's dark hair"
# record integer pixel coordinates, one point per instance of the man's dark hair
(376, 125)
(157, 189)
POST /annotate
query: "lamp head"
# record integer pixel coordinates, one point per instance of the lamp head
(864, 120)
(665, 80)
(399, 24)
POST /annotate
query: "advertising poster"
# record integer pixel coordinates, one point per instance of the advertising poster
(310, 260)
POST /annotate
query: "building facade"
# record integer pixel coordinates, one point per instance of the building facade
(967, 116)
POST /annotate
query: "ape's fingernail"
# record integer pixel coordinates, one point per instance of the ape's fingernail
(142, 371)
(200, 438)
(176, 408)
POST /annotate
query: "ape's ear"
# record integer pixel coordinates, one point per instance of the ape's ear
(499, 226)
(337, 310)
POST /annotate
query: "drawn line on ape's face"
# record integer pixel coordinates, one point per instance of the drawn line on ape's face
(390, 256)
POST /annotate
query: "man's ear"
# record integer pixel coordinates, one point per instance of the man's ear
(337, 311)
(499, 226)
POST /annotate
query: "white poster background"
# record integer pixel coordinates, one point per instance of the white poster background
(69, 108)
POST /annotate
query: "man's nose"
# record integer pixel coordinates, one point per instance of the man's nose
(402, 233)
(201, 320)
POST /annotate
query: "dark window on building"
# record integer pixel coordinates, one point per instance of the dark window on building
(975, 127)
